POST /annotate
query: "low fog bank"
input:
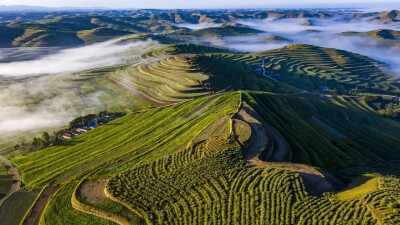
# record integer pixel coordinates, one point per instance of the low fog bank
(31, 101)
(198, 26)
(248, 44)
(33, 104)
(331, 25)
(25, 53)
(74, 59)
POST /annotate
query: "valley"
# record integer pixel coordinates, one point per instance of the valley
(169, 122)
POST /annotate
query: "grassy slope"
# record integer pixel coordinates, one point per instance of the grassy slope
(5, 181)
(226, 73)
(309, 67)
(365, 132)
(60, 211)
(158, 130)
(221, 177)
(229, 29)
(216, 187)
(14, 208)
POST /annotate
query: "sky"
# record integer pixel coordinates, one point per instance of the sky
(120, 4)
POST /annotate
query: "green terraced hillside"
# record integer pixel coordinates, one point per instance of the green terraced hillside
(310, 67)
(167, 81)
(149, 134)
(205, 144)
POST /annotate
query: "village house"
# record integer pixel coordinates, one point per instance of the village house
(68, 136)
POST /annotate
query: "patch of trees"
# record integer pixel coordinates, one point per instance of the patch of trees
(194, 49)
(42, 142)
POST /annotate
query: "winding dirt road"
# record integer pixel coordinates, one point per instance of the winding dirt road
(16, 184)
(283, 152)
(314, 180)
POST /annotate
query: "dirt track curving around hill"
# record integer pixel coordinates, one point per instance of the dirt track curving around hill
(16, 178)
(314, 180)
(283, 152)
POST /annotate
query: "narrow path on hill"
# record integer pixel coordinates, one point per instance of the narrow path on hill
(38, 207)
(314, 180)
(16, 178)
(259, 127)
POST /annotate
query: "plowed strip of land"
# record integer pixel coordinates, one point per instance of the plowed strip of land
(16, 177)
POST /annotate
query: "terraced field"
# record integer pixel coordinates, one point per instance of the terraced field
(158, 132)
(363, 129)
(167, 81)
(5, 181)
(309, 67)
(201, 143)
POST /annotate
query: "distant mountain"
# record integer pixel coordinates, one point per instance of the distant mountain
(379, 34)
(228, 29)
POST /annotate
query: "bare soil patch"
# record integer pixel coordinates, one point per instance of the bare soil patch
(92, 191)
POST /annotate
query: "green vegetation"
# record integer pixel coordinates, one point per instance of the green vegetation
(167, 81)
(100, 34)
(384, 105)
(60, 210)
(310, 67)
(193, 49)
(150, 134)
(228, 29)
(199, 144)
(15, 207)
(364, 130)
(188, 147)
(227, 74)
(5, 181)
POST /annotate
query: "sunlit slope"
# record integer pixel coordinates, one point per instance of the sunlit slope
(309, 67)
(151, 134)
(216, 187)
(167, 81)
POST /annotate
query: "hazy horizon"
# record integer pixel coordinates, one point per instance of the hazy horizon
(206, 4)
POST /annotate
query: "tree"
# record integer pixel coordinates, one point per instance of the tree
(46, 137)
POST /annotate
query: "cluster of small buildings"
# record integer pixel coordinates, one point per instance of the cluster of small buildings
(92, 125)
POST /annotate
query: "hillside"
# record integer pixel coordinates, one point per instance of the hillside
(310, 67)
(202, 143)
(378, 34)
(228, 29)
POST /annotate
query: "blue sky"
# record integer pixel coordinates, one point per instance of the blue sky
(205, 3)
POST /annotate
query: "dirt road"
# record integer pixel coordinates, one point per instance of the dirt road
(283, 152)
(38, 207)
(314, 181)
(16, 184)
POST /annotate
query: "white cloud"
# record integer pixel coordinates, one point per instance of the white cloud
(72, 60)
